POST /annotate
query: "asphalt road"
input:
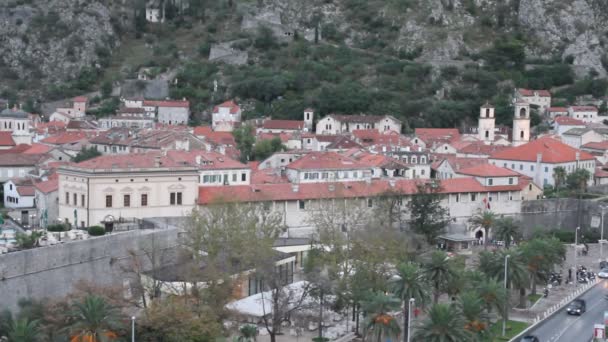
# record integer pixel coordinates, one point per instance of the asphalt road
(562, 327)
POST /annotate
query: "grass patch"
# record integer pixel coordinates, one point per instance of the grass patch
(533, 298)
(513, 329)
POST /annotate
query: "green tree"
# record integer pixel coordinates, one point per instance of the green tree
(484, 219)
(379, 324)
(492, 264)
(94, 319)
(265, 39)
(559, 177)
(472, 308)
(410, 282)
(578, 180)
(440, 272)
(428, 217)
(265, 148)
(507, 230)
(244, 142)
(27, 241)
(248, 333)
(24, 330)
(541, 255)
(492, 293)
(106, 89)
(444, 323)
(86, 153)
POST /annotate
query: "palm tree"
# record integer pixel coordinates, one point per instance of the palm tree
(492, 293)
(517, 272)
(559, 176)
(439, 271)
(444, 324)
(248, 333)
(484, 219)
(540, 256)
(473, 310)
(24, 330)
(380, 325)
(410, 282)
(94, 320)
(506, 230)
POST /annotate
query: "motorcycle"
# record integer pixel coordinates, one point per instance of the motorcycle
(546, 292)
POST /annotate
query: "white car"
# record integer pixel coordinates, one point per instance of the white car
(603, 273)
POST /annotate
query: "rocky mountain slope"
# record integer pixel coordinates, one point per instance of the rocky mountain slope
(50, 42)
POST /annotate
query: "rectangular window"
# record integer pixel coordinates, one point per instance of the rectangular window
(510, 181)
(82, 200)
(126, 200)
(243, 177)
(67, 198)
(234, 177)
(490, 181)
(108, 201)
(546, 169)
(144, 200)
(205, 179)
(172, 198)
(75, 198)
(457, 198)
(179, 198)
(531, 167)
(306, 175)
(302, 205)
(521, 166)
(370, 203)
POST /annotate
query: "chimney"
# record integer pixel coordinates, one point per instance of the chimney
(539, 157)
(295, 187)
(391, 182)
(157, 162)
(198, 160)
(368, 180)
(332, 187)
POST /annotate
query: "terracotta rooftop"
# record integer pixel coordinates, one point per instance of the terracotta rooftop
(583, 108)
(130, 161)
(311, 191)
(20, 159)
(167, 103)
(218, 138)
(530, 92)
(47, 186)
(487, 170)
(234, 108)
(357, 118)
(38, 149)
(603, 145)
(80, 99)
(205, 160)
(325, 161)
(551, 150)
(65, 138)
(292, 125)
(438, 135)
(568, 121)
(557, 109)
(6, 139)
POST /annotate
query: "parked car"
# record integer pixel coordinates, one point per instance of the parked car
(603, 264)
(577, 307)
(529, 338)
(603, 273)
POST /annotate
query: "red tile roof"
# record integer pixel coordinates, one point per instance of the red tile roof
(20, 159)
(167, 103)
(530, 92)
(134, 160)
(80, 99)
(292, 125)
(208, 160)
(6, 139)
(325, 161)
(457, 163)
(234, 108)
(552, 151)
(219, 138)
(557, 109)
(284, 137)
(65, 138)
(311, 191)
(583, 108)
(429, 135)
(38, 149)
(17, 149)
(24, 190)
(479, 148)
(568, 121)
(48, 186)
(487, 170)
(603, 145)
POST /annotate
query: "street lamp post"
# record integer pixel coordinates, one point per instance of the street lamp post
(409, 318)
(504, 318)
(576, 256)
(132, 328)
(602, 236)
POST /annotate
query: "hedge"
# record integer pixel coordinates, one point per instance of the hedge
(59, 227)
(96, 230)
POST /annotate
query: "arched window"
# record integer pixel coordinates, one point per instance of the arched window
(521, 134)
(522, 113)
(488, 112)
(487, 134)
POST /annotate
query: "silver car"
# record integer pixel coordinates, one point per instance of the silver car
(603, 273)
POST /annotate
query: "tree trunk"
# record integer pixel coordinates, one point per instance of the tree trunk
(522, 297)
(406, 313)
(533, 285)
(273, 336)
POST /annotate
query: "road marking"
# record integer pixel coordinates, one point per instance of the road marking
(556, 337)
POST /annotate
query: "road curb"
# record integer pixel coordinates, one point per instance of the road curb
(552, 310)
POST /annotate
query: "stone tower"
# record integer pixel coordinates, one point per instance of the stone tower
(487, 123)
(309, 116)
(521, 123)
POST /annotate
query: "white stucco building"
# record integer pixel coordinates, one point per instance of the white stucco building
(19, 194)
(540, 98)
(521, 123)
(487, 124)
(226, 117)
(106, 189)
(587, 114)
(339, 124)
(538, 158)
